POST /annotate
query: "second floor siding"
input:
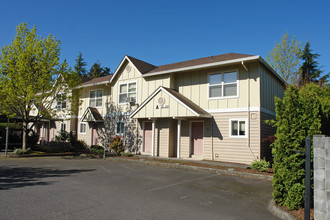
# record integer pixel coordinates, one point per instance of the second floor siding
(195, 86)
(129, 81)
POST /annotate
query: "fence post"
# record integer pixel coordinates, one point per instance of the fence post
(307, 178)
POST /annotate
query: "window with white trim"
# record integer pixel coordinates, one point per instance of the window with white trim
(127, 92)
(120, 128)
(223, 85)
(63, 126)
(238, 128)
(82, 128)
(60, 101)
(95, 98)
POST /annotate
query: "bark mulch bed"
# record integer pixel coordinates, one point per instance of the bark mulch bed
(298, 214)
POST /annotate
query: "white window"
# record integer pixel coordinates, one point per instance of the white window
(127, 92)
(120, 128)
(223, 85)
(95, 98)
(238, 128)
(83, 128)
(63, 126)
(60, 101)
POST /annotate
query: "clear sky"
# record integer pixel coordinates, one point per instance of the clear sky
(162, 32)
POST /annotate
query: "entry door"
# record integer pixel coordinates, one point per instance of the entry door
(197, 138)
(95, 136)
(147, 137)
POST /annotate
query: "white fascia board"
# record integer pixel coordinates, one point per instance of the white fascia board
(93, 84)
(203, 66)
(121, 63)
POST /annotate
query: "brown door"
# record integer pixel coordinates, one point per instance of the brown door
(197, 138)
(95, 136)
(147, 137)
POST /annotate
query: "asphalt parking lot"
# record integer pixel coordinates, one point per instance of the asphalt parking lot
(56, 188)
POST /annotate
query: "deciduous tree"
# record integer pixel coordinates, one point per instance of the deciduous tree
(285, 58)
(31, 75)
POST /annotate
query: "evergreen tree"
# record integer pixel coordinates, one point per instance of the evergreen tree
(79, 68)
(98, 71)
(309, 71)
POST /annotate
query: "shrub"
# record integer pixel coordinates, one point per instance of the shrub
(302, 113)
(62, 136)
(261, 165)
(20, 151)
(96, 149)
(126, 154)
(117, 145)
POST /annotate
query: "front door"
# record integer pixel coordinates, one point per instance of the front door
(95, 136)
(197, 138)
(147, 137)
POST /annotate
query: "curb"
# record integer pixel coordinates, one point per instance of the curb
(280, 213)
(196, 168)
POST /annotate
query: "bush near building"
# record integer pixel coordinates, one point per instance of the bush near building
(302, 113)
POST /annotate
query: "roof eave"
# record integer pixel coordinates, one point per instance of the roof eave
(208, 65)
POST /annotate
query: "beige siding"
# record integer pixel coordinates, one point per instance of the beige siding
(162, 140)
(270, 86)
(194, 85)
(233, 149)
(145, 86)
(84, 99)
(85, 137)
(172, 108)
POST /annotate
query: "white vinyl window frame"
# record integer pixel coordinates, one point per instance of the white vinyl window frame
(60, 101)
(95, 98)
(127, 92)
(239, 122)
(121, 126)
(63, 126)
(82, 128)
(223, 84)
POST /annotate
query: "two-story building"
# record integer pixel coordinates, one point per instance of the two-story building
(210, 108)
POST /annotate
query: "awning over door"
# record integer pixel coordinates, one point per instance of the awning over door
(91, 115)
(165, 102)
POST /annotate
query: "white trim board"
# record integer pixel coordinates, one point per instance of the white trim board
(251, 109)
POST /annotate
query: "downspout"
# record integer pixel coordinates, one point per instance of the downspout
(248, 109)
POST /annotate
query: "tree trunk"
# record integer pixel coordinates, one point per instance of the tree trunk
(24, 135)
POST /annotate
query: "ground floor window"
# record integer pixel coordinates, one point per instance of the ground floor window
(83, 128)
(120, 128)
(63, 126)
(238, 128)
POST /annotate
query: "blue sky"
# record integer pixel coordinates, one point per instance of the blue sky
(162, 32)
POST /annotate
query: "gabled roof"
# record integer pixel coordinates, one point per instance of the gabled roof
(96, 81)
(142, 66)
(91, 115)
(184, 101)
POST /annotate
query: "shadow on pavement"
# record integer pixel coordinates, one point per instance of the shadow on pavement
(20, 177)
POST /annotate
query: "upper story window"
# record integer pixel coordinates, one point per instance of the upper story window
(127, 92)
(95, 98)
(223, 85)
(60, 101)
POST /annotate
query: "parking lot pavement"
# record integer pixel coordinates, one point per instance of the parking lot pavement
(55, 188)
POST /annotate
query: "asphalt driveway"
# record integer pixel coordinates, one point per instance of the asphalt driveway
(54, 188)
